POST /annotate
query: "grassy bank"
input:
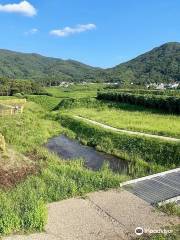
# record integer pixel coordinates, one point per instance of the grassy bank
(123, 116)
(26, 131)
(128, 118)
(23, 206)
(130, 147)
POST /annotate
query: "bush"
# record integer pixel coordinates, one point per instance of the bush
(168, 104)
(167, 92)
(18, 95)
(79, 102)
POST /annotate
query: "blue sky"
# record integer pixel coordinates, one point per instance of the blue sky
(97, 32)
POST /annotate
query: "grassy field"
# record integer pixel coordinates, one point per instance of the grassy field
(75, 91)
(3, 107)
(134, 118)
(150, 153)
(47, 102)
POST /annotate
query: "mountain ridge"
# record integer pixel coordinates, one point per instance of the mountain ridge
(161, 64)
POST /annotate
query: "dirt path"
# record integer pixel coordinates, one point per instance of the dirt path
(127, 131)
(110, 215)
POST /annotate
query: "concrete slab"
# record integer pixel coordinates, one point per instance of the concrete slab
(76, 219)
(110, 215)
(129, 210)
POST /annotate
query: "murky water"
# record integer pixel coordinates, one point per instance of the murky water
(72, 149)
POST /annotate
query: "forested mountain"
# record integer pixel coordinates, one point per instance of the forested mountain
(37, 67)
(162, 64)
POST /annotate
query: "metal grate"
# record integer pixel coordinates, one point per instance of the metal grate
(157, 189)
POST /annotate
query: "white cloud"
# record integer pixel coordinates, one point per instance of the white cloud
(24, 7)
(69, 30)
(32, 31)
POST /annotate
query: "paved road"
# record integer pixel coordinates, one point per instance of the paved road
(110, 215)
(128, 131)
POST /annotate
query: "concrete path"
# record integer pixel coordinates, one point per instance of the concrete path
(110, 215)
(127, 131)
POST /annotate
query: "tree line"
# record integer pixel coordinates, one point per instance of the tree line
(10, 87)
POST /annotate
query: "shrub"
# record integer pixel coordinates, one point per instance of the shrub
(79, 102)
(167, 92)
(19, 95)
(168, 104)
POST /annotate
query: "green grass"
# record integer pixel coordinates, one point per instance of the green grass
(151, 154)
(13, 101)
(163, 103)
(57, 92)
(133, 119)
(75, 91)
(23, 207)
(4, 107)
(171, 209)
(47, 102)
(7, 97)
(27, 130)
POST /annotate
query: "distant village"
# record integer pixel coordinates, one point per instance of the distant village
(162, 86)
(157, 86)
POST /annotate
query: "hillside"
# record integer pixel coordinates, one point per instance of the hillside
(34, 66)
(162, 64)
